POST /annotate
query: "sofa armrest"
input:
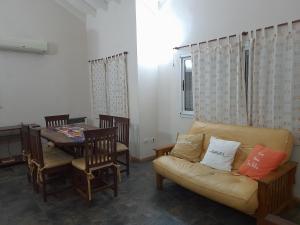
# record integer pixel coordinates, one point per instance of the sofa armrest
(165, 150)
(276, 220)
(278, 173)
(275, 191)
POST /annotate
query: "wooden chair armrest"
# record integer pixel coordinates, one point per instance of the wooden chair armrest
(165, 150)
(279, 172)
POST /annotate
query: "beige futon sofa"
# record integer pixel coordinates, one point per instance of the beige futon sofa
(257, 198)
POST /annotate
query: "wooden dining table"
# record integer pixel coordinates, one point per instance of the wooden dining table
(61, 140)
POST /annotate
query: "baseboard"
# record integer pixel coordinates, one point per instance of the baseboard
(135, 159)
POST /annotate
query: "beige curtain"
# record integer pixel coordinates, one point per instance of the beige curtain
(218, 85)
(109, 86)
(276, 79)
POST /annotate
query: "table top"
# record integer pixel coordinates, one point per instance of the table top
(61, 139)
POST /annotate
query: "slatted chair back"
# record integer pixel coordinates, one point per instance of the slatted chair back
(122, 125)
(25, 141)
(36, 146)
(100, 147)
(57, 120)
(105, 121)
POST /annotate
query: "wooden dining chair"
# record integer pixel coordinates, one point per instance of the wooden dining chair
(46, 164)
(57, 120)
(26, 151)
(99, 156)
(105, 121)
(122, 125)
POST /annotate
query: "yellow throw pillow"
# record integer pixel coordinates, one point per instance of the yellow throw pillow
(188, 146)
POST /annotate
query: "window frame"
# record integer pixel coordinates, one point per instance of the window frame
(184, 113)
(247, 64)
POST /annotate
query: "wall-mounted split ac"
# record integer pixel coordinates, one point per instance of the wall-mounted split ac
(19, 45)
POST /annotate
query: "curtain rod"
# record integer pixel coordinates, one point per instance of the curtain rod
(230, 36)
(108, 57)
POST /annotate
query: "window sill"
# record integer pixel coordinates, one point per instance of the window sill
(186, 115)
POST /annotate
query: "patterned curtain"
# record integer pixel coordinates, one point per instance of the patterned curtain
(218, 85)
(276, 80)
(116, 81)
(98, 86)
(109, 86)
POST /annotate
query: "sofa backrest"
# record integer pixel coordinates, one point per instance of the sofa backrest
(277, 139)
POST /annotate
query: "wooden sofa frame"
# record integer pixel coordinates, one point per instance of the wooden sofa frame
(275, 191)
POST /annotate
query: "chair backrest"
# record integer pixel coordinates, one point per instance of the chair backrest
(36, 146)
(25, 141)
(105, 121)
(100, 147)
(57, 120)
(122, 125)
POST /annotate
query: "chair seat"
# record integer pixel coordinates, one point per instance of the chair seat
(121, 147)
(46, 147)
(55, 157)
(80, 163)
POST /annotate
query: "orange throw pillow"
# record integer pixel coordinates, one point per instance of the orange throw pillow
(261, 161)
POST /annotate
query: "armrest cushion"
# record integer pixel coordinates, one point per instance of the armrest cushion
(279, 172)
(165, 150)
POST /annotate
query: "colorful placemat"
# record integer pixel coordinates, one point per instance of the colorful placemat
(76, 133)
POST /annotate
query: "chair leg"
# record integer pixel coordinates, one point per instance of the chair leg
(44, 188)
(127, 163)
(115, 171)
(35, 185)
(89, 190)
(28, 175)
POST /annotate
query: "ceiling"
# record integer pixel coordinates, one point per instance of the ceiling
(83, 8)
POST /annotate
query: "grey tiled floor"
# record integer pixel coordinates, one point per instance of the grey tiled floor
(138, 203)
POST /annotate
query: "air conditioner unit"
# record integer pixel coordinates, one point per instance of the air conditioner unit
(34, 46)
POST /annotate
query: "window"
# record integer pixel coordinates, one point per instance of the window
(186, 86)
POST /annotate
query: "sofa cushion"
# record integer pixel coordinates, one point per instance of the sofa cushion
(261, 161)
(220, 154)
(188, 146)
(239, 192)
(279, 139)
(121, 147)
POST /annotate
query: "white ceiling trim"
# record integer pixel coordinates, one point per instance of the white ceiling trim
(82, 8)
(73, 10)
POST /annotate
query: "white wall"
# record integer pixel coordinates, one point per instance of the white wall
(31, 85)
(147, 48)
(190, 21)
(112, 31)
